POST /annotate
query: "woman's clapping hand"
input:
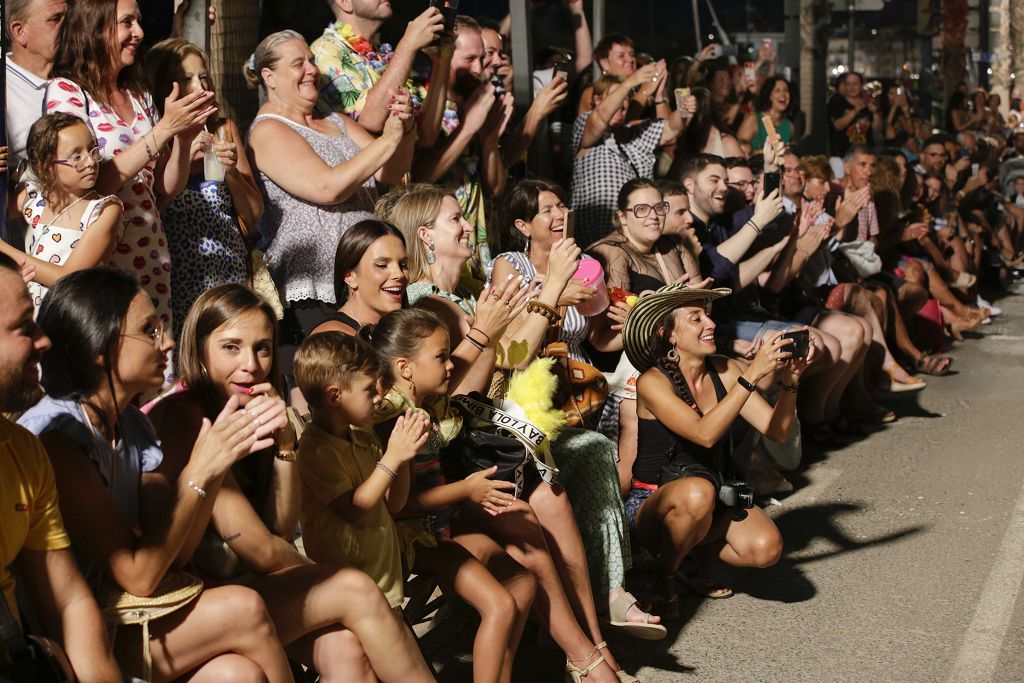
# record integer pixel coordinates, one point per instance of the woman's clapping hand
(400, 120)
(498, 305)
(236, 433)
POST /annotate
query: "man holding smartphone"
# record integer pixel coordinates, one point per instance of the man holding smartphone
(359, 75)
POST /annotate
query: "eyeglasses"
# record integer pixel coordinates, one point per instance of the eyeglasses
(644, 210)
(77, 160)
(792, 169)
(154, 333)
(742, 184)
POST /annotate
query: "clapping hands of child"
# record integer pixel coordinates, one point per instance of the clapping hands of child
(408, 436)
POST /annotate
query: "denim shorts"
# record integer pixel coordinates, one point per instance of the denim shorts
(634, 499)
(752, 330)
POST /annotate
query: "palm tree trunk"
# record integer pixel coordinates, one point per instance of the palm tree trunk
(232, 39)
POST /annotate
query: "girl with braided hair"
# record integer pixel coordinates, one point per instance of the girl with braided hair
(687, 401)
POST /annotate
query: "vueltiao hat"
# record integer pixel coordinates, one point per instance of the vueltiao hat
(646, 316)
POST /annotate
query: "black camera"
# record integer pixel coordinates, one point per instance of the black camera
(736, 494)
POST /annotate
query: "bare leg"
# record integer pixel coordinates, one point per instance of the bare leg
(524, 539)
(515, 579)
(337, 651)
(754, 541)
(627, 443)
(860, 304)
(221, 621)
(315, 597)
(854, 347)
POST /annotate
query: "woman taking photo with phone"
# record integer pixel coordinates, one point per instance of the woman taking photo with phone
(687, 402)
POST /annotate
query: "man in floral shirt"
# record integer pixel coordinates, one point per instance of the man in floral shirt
(358, 75)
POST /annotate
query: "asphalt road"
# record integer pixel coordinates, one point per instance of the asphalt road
(904, 552)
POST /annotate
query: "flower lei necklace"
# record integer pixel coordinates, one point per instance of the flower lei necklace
(378, 58)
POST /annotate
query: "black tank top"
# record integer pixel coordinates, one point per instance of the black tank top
(657, 445)
(340, 317)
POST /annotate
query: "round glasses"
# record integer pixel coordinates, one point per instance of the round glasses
(78, 160)
(644, 210)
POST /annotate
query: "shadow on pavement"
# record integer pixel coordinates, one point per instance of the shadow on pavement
(786, 581)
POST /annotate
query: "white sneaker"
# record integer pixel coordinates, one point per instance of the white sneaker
(993, 310)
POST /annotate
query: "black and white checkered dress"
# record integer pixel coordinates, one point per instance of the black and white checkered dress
(598, 175)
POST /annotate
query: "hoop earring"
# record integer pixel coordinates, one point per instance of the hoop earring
(431, 256)
(672, 356)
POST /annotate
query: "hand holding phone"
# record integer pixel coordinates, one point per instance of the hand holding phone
(799, 343)
(568, 223)
(680, 95)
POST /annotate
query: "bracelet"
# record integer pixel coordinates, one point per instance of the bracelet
(386, 470)
(149, 152)
(752, 224)
(660, 101)
(790, 388)
(741, 380)
(476, 342)
(535, 306)
(287, 455)
(477, 329)
(201, 491)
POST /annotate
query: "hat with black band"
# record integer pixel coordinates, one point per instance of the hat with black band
(647, 315)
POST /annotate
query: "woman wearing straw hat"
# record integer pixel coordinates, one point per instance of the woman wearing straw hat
(687, 400)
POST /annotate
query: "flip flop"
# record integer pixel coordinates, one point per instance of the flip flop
(929, 364)
(706, 587)
(638, 629)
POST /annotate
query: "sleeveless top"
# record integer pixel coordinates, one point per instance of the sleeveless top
(138, 451)
(54, 243)
(339, 317)
(657, 445)
(784, 129)
(418, 291)
(575, 325)
(206, 246)
(300, 237)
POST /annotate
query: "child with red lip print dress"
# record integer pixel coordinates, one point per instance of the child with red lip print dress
(73, 226)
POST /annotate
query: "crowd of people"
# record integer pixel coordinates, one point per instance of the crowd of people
(253, 381)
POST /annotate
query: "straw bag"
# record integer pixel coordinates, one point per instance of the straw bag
(121, 608)
(582, 388)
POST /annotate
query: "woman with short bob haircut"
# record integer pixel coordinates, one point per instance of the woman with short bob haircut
(344, 628)
(129, 528)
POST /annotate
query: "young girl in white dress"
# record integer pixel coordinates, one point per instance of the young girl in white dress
(72, 227)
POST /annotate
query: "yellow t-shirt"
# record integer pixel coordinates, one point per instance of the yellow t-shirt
(29, 516)
(330, 466)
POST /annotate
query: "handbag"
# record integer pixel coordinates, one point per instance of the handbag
(862, 257)
(121, 608)
(495, 433)
(582, 388)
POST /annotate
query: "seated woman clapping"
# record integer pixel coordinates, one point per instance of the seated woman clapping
(129, 528)
(331, 618)
(687, 401)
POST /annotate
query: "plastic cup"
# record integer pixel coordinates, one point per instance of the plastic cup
(592, 275)
(212, 168)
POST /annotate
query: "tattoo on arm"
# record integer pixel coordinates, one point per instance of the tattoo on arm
(232, 537)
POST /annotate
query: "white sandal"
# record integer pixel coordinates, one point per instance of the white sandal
(638, 629)
(620, 674)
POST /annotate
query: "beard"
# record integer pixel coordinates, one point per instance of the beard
(466, 84)
(17, 392)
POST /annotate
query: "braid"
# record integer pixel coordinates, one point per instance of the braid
(662, 346)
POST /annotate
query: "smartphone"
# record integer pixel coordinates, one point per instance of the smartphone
(769, 128)
(681, 94)
(561, 71)
(766, 42)
(770, 183)
(449, 10)
(569, 225)
(729, 51)
(800, 343)
(899, 90)
(974, 169)
(749, 72)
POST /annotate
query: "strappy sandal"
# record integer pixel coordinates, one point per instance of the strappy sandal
(638, 629)
(964, 280)
(620, 674)
(933, 365)
(576, 674)
(706, 587)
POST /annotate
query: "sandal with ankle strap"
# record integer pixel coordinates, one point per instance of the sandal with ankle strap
(638, 629)
(576, 674)
(620, 674)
